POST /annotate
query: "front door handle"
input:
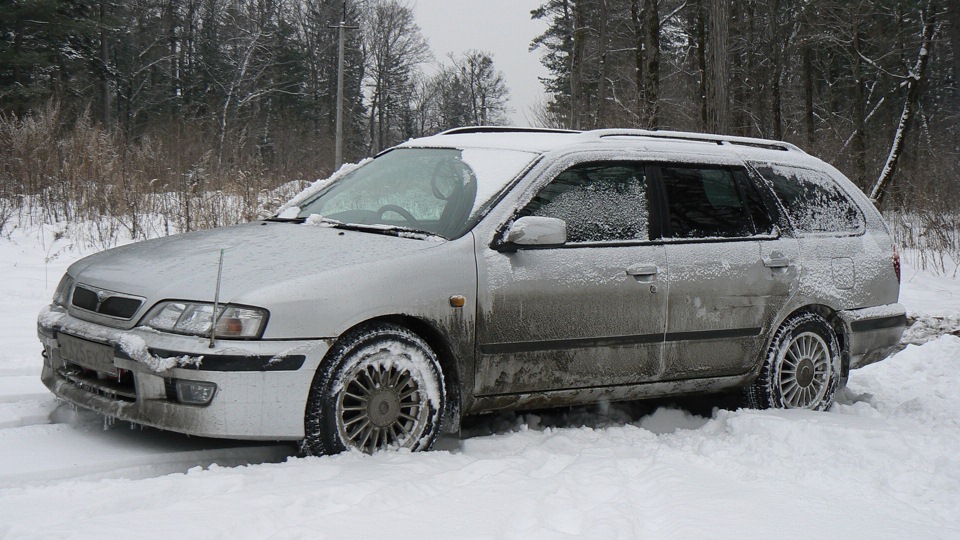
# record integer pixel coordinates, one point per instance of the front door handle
(776, 260)
(643, 271)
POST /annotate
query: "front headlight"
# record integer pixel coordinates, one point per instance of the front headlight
(194, 318)
(61, 297)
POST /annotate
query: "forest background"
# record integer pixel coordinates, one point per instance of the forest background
(210, 112)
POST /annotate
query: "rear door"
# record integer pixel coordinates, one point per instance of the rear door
(730, 271)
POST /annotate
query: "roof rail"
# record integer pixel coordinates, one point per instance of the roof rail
(504, 129)
(598, 134)
(696, 137)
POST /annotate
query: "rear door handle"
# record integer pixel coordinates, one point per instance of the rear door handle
(643, 270)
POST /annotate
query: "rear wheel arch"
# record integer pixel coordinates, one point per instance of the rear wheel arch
(807, 340)
(829, 314)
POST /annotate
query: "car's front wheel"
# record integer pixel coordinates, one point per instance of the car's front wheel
(379, 387)
(802, 368)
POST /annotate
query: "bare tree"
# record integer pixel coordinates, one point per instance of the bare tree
(484, 87)
(394, 47)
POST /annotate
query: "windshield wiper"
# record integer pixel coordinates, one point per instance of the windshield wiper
(389, 230)
(410, 232)
(286, 220)
(376, 228)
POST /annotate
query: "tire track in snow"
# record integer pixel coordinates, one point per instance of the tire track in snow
(45, 441)
(15, 388)
(84, 448)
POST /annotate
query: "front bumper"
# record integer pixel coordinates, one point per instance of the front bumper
(874, 333)
(261, 386)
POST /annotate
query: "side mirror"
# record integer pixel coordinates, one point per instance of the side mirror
(536, 231)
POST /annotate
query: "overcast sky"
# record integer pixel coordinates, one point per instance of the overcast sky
(501, 27)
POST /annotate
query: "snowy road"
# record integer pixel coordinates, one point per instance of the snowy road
(883, 463)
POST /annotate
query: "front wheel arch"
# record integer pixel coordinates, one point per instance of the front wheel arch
(449, 360)
(379, 386)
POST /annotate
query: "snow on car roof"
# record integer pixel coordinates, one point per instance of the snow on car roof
(668, 142)
(529, 140)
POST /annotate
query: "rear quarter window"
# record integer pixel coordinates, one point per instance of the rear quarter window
(813, 200)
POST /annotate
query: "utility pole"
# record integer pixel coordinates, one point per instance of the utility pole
(341, 29)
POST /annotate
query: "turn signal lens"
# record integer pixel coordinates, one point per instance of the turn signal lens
(240, 322)
(62, 295)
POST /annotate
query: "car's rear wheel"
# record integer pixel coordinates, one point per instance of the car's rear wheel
(379, 387)
(802, 369)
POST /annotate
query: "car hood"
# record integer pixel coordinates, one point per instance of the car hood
(255, 255)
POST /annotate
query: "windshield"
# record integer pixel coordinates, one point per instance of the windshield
(435, 190)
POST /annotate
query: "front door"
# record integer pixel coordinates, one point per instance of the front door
(586, 314)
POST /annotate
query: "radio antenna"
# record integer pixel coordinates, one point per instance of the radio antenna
(216, 303)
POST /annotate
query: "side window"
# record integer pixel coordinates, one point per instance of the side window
(598, 201)
(813, 201)
(704, 202)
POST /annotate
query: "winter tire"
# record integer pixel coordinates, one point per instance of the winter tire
(802, 369)
(378, 387)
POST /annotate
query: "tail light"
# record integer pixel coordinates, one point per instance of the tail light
(896, 262)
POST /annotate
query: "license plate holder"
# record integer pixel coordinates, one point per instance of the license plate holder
(88, 354)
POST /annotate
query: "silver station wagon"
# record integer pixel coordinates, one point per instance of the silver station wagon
(486, 269)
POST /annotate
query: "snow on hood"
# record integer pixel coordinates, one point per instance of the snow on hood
(256, 255)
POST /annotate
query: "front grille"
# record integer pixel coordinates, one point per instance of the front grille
(104, 302)
(84, 298)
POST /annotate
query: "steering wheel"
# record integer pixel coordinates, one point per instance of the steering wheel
(406, 215)
(439, 174)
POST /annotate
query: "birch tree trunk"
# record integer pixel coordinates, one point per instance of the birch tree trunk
(914, 83)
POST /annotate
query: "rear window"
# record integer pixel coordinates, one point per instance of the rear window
(708, 202)
(813, 201)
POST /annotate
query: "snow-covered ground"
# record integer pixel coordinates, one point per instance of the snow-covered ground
(883, 463)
